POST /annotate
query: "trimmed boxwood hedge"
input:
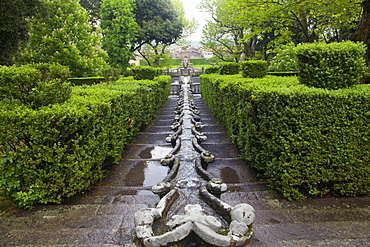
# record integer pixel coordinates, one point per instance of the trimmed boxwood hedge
(56, 151)
(307, 142)
(254, 68)
(229, 68)
(145, 72)
(331, 66)
(78, 81)
(211, 70)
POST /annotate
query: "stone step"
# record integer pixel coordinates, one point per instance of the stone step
(71, 237)
(319, 232)
(343, 242)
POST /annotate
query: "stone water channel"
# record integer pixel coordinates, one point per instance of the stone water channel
(105, 215)
(190, 195)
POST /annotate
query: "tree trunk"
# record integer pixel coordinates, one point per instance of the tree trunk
(146, 59)
(304, 26)
(363, 27)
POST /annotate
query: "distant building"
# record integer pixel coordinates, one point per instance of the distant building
(189, 51)
(207, 54)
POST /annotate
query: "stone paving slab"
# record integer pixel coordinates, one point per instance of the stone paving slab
(159, 138)
(231, 171)
(64, 236)
(147, 151)
(55, 222)
(320, 243)
(216, 138)
(315, 231)
(222, 151)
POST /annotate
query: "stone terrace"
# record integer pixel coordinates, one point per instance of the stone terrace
(103, 216)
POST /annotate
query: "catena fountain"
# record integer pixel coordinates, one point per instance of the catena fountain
(205, 217)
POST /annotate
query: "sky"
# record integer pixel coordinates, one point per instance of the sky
(191, 10)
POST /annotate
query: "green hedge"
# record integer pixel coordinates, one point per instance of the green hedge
(79, 81)
(211, 70)
(307, 142)
(287, 73)
(229, 68)
(254, 68)
(35, 85)
(331, 66)
(145, 72)
(111, 73)
(54, 152)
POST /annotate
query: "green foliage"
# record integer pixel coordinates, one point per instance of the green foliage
(228, 39)
(229, 68)
(111, 74)
(211, 70)
(158, 21)
(93, 8)
(51, 71)
(14, 26)
(119, 31)
(35, 85)
(288, 73)
(64, 36)
(367, 78)
(159, 25)
(55, 152)
(307, 142)
(331, 66)
(286, 60)
(79, 81)
(254, 68)
(144, 72)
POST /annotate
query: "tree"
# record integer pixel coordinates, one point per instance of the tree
(226, 38)
(312, 19)
(363, 27)
(93, 8)
(64, 36)
(220, 41)
(159, 25)
(14, 26)
(119, 31)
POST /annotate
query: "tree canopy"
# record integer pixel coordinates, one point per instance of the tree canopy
(14, 26)
(158, 22)
(64, 36)
(276, 22)
(93, 8)
(119, 31)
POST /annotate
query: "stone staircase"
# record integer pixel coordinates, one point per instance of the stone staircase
(104, 216)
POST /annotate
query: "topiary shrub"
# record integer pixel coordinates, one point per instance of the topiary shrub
(35, 85)
(144, 73)
(254, 69)
(285, 60)
(331, 66)
(229, 68)
(211, 70)
(111, 73)
(51, 71)
(78, 81)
